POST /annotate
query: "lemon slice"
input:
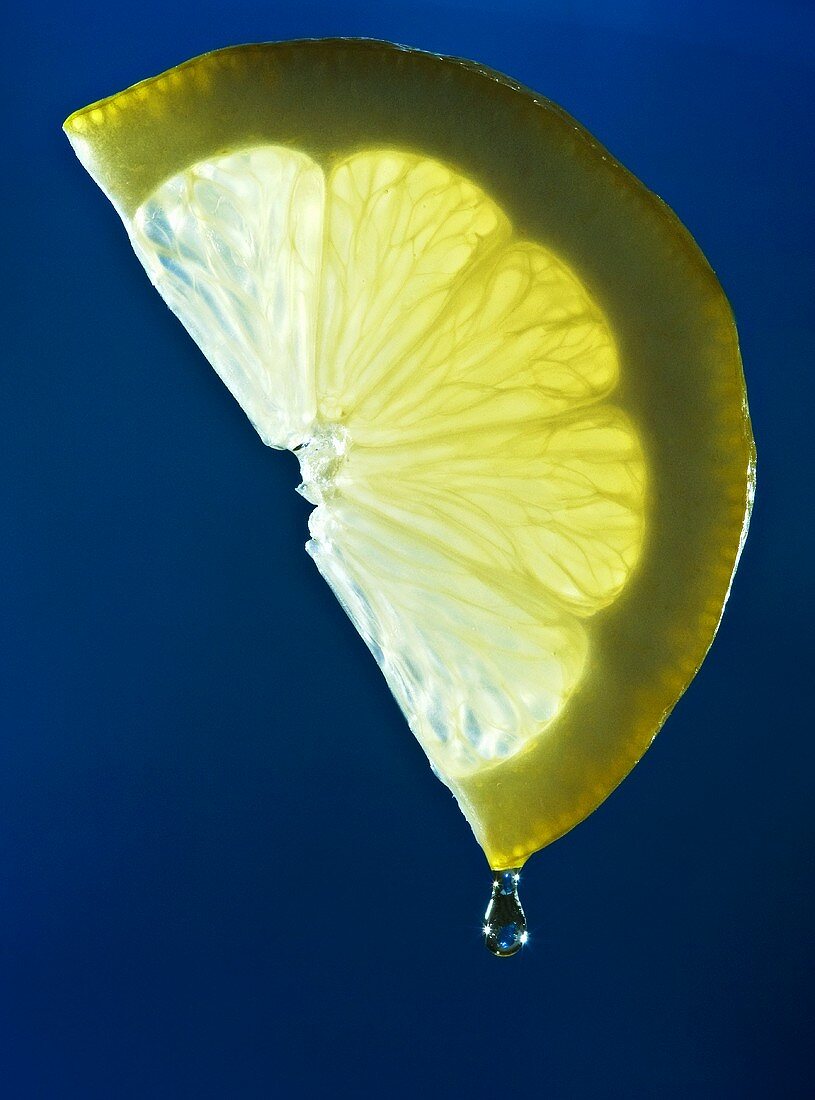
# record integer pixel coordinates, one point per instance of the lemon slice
(511, 379)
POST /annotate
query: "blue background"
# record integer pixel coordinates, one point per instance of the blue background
(226, 868)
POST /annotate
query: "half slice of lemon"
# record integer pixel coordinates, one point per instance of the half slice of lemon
(512, 381)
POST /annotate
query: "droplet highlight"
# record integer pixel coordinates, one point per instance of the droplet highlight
(504, 921)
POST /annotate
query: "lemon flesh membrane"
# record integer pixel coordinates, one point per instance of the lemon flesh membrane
(492, 493)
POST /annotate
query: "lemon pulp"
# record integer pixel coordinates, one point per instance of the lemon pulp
(477, 497)
(471, 429)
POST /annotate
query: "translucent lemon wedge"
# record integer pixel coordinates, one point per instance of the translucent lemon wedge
(511, 379)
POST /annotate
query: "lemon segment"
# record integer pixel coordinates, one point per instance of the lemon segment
(399, 229)
(477, 675)
(233, 245)
(521, 306)
(511, 379)
(552, 508)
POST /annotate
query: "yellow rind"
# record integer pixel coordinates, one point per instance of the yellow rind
(681, 376)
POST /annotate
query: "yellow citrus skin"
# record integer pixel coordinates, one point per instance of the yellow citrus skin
(545, 232)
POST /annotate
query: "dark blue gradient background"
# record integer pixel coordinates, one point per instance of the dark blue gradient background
(226, 868)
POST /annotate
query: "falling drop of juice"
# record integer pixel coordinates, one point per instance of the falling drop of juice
(504, 922)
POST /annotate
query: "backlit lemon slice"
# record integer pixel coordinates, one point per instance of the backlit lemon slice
(511, 379)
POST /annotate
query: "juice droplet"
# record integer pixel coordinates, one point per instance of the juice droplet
(504, 922)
